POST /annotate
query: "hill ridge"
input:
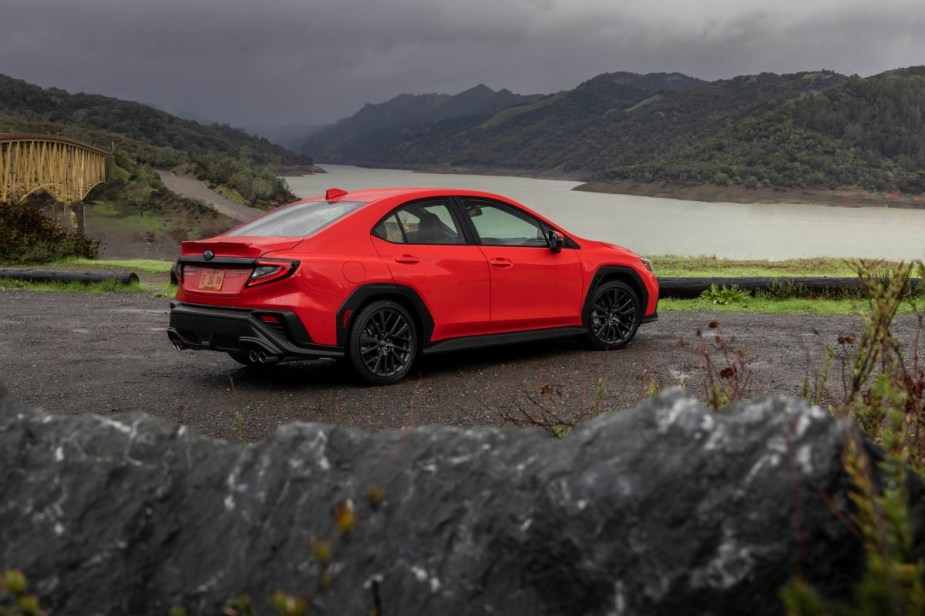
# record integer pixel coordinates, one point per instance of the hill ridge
(810, 129)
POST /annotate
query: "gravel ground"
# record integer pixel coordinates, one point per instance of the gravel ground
(84, 353)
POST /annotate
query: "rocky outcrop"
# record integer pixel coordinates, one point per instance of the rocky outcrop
(663, 509)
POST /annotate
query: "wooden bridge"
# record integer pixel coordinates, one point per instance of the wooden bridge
(67, 169)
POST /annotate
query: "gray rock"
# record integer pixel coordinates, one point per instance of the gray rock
(663, 509)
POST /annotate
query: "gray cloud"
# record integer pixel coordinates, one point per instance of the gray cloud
(293, 61)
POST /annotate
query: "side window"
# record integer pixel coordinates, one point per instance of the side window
(420, 223)
(390, 230)
(501, 225)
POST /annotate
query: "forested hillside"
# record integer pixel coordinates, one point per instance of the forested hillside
(816, 130)
(22, 103)
(868, 133)
(142, 138)
(614, 118)
(364, 131)
(604, 122)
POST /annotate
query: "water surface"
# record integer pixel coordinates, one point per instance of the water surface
(656, 226)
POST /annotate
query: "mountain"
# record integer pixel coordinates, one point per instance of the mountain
(363, 130)
(654, 82)
(477, 101)
(532, 136)
(158, 135)
(857, 132)
(290, 136)
(809, 130)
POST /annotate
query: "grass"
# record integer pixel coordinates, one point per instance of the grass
(674, 266)
(165, 290)
(143, 266)
(668, 266)
(231, 194)
(665, 266)
(149, 266)
(106, 216)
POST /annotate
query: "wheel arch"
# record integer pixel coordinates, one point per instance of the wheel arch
(620, 273)
(363, 296)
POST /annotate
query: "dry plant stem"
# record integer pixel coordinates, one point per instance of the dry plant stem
(544, 415)
(883, 391)
(238, 415)
(731, 383)
(411, 418)
(884, 297)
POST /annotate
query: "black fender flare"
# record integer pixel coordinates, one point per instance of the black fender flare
(615, 271)
(364, 294)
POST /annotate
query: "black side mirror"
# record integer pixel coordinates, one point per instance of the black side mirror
(555, 240)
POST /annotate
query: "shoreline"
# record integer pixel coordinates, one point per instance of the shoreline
(468, 170)
(708, 193)
(845, 197)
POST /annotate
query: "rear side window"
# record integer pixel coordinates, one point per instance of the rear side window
(420, 223)
(300, 220)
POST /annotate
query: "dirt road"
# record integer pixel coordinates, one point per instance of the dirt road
(82, 353)
(194, 189)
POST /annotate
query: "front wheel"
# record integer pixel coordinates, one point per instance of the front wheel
(614, 315)
(383, 343)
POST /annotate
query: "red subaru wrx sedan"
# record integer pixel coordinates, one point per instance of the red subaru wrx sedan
(382, 276)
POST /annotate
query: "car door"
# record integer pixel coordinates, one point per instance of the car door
(532, 287)
(425, 248)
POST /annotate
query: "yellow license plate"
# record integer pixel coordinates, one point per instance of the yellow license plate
(211, 279)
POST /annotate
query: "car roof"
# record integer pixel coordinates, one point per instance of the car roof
(369, 195)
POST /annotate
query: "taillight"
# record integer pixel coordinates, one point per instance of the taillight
(268, 271)
(177, 273)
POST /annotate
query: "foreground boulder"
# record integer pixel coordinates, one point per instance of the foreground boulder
(663, 509)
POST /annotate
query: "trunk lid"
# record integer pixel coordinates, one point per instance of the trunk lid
(229, 266)
(245, 247)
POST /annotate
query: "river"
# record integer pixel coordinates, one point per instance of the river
(653, 226)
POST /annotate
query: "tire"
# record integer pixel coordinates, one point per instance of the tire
(383, 343)
(614, 315)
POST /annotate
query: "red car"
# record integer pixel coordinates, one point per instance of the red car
(382, 276)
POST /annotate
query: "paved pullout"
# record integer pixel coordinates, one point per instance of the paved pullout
(78, 353)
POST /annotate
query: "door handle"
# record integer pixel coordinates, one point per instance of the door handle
(407, 259)
(501, 262)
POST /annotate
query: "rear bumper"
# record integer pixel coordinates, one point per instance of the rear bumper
(235, 330)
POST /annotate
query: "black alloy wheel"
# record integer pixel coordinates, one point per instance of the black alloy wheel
(614, 315)
(383, 343)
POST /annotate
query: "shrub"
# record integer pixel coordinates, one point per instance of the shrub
(725, 295)
(884, 385)
(28, 236)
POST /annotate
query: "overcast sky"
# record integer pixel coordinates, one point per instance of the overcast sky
(273, 62)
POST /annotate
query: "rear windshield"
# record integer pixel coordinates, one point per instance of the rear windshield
(299, 220)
